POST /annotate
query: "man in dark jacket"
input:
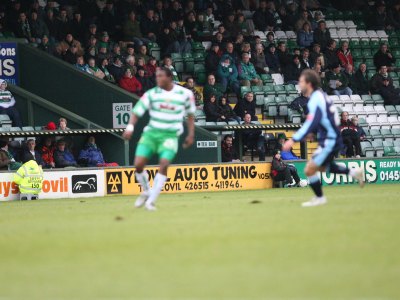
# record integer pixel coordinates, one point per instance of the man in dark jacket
(361, 80)
(261, 17)
(293, 71)
(282, 172)
(228, 152)
(384, 58)
(91, 155)
(31, 154)
(149, 26)
(212, 88)
(253, 138)
(246, 106)
(283, 55)
(272, 59)
(62, 157)
(322, 35)
(331, 59)
(211, 110)
(382, 83)
(337, 81)
(212, 59)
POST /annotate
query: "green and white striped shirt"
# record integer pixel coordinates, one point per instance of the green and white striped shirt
(6, 99)
(167, 109)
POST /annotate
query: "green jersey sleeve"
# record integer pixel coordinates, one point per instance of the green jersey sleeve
(142, 105)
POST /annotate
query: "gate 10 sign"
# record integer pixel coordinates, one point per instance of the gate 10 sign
(9, 62)
(121, 114)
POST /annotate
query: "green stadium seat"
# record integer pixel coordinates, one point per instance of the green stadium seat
(355, 45)
(367, 99)
(387, 134)
(201, 122)
(5, 120)
(376, 134)
(396, 134)
(291, 89)
(366, 53)
(357, 54)
(197, 47)
(270, 106)
(391, 110)
(364, 44)
(244, 90)
(370, 63)
(377, 99)
(266, 78)
(154, 50)
(398, 108)
(294, 116)
(200, 73)
(259, 94)
(268, 89)
(378, 147)
(188, 62)
(389, 151)
(394, 75)
(199, 114)
(199, 57)
(280, 89)
(177, 61)
(282, 105)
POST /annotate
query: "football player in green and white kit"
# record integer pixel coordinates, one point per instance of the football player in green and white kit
(168, 105)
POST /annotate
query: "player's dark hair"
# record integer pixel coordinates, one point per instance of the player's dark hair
(167, 71)
(312, 77)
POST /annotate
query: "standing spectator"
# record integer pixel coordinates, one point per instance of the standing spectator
(383, 57)
(361, 80)
(305, 37)
(344, 55)
(190, 85)
(293, 71)
(228, 74)
(246, 106)
(7, 105)
(212, 59)
(247, 73)
(258, 59)
(322, 35)
(226, 110)
(211, 110)
(350, 136)
(382, 83)
(331, 59)
(253, 138)
(31, 153)
(282, 172)
(228, 152)
(129, 83)
(62, 157)
(337, 81)
(47, 151)
(23, 29)
(284, 57)
(272, 59)
(212, 88)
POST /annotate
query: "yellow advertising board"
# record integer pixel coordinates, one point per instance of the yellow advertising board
(194, 178)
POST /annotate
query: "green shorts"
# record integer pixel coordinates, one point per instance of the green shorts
(162, 143)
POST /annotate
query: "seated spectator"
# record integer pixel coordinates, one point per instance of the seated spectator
(62, 124)
(337, 82)
(350, 136)
(47, 151)
(7, 160)
(212, 59)
(212, 111)
(143, 54)
(246, 106)
(272, 59)
(383, 57)
(94, 70)
(305, 36)
(7, 105)
(226, 110)
(104, 68)
(232, 53)
(91, 155)
(303, 19)
(190, 85)
(228, 74)
(132, 32)
(167, 61)
(168, 41)
(262, 18)
(45, 45)
(331, 59)
(316, 56)
(228, 152)
(344, 55)
(31, 154)
(131, 63)
(258, 59)
(350, 75)
(379, 20)
(247, 73)
(305, 59)
(293, 71)
(322, 35)
(130, 83)
(151, 67)
(146, 82)
(361, 80)
(282, 172)
(253, 139)
(270, 38)
(360, 131)
(382, 83)
(212, 88)
(116, 69)
(62, 157)
(81, 65)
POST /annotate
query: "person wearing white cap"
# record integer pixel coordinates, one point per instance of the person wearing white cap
(7, 104)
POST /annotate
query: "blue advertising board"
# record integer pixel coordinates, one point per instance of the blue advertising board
(9, 62)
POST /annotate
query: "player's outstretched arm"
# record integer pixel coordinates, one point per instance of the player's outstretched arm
(130, 127)
(190, 137)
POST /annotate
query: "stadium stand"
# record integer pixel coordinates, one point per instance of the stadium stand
(196, 35)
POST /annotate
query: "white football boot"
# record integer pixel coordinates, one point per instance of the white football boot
(358, 174)
(141, 200)
(316, 201)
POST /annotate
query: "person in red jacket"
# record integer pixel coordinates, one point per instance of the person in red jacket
(344, 55)
(130, 83)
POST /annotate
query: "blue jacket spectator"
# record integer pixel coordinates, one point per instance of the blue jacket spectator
(81, 65)
(305, 37)
(62, 157)
(288, 155)
(91, 155)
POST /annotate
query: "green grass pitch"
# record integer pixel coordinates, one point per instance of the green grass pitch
(221, 245)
